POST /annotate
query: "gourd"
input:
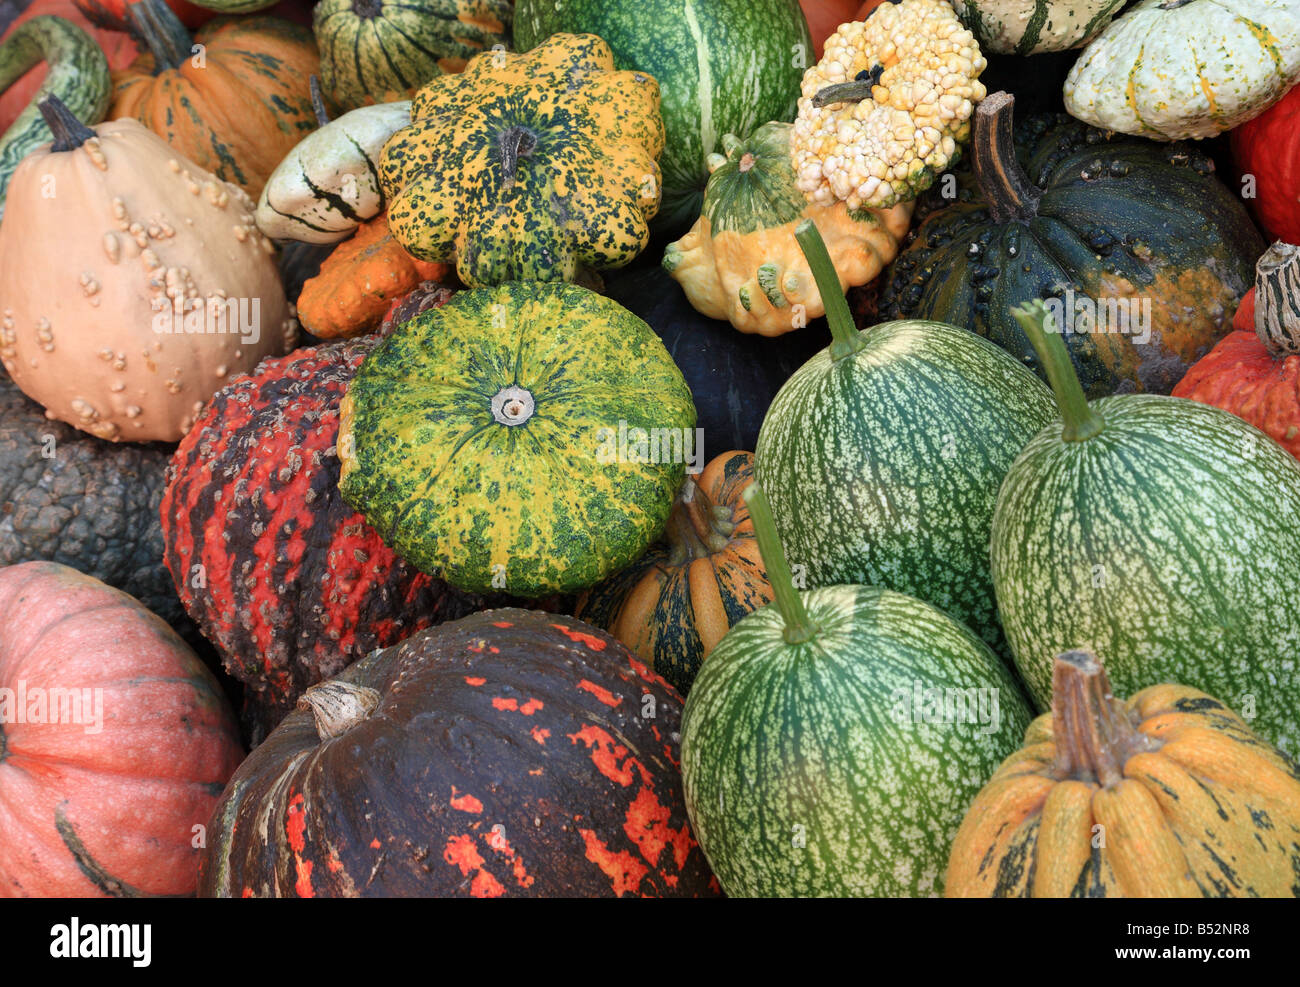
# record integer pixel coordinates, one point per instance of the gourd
(1159, 532)
(529, 167)
(1030, 27)
(1141, 244)
(883, 455)
(424, 296)
(740, 260)
(114, 742)
(1253, 371)
(676, 602)
(493, 441)
(126, 328)
(824, 16)
(1267, 151)
(78, 74)
(388, 780)
(824, 750)
(374, 51)
(1174, 69)
(1187, 800)
(886, 108)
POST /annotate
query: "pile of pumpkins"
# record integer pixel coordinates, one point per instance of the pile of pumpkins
(475, 448)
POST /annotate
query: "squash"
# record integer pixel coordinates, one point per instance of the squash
(824, 16)
(252, 70)
(114, 742)
(832, 739)
(1267, 149)
(125, 329)
(886, 108)
(1174, 69)
(359, 281)
(421, 298)
(528, 167)
(78, 74)
(528, 438)
(883, 454)
(723, 67)
(1160, 532)
(236, 6)
(388, 780)
(1145, 248)
(377, 51)
(112, 13)
(1166, 795)
(740, 260)
(676, 602)
(1030, 27)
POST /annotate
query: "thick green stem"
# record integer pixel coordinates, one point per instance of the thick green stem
(845, 338)
(1082, 421)
(162, 32)
(798, 625)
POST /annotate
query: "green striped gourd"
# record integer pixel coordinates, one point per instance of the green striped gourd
(832, 740)
(1160, 532)
(883, 455)
(1029, 27)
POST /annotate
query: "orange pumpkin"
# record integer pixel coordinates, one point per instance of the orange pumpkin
(824, 16)
(1254, 371)
(359, 281)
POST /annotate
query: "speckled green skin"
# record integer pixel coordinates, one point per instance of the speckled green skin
(459, 494)
(786, 741)
(1169, 545)
(724, 67)
(883, 467)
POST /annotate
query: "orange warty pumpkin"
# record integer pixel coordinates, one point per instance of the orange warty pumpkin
(1254, 371)
(105, 783)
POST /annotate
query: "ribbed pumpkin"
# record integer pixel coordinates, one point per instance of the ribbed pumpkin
(1254, 371)
(512, 753)
(1130, 236)
(115, 742)
(492, 441)
(677, 601)
(741, 262)
(235, 108)
(1166, 795)
(528, 167)
(376, 51)
(1267, 149)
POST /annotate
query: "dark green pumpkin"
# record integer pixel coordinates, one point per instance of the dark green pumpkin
(1091, 218)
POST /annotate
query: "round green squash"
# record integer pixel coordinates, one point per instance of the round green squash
(883, 454)
(527, 438)
(832, 740)
(724, 67)
(1160, 532)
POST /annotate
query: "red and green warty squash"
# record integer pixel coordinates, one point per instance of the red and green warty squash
(115, 742)
(512, 753)
(527, 438)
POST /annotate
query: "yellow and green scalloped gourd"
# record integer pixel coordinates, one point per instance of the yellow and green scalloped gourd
(889, 105)
(539, 166)
(526, 438)
(741, 261)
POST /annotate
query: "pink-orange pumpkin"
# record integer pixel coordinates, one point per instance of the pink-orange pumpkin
(108, 796)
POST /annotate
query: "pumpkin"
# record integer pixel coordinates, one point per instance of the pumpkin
(740, 260)
(1030, 27)
(237, 107)
(528, 438)
(77, 74)
(236, 6)
(825, 749)
(1188, 571)
(885, 109)
(1166, 795)
(676, 602)
(124, 331)
(723, 67)
(824, 16)
(1267, 149)
(1144, 248)
(388, 781)
(288, 582)
(359, 282)
(421, 298)
(883, 454)
(112, 13)
(374, 51)
(114, 742)
(528, 167)
(1253, 371)
(1174, 69)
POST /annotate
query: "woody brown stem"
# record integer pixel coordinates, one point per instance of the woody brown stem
(69, 132)
(1093, 731)
(162, 33)
(1010, 195)
(317, 101)
(515, 142)
(1277, 299)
